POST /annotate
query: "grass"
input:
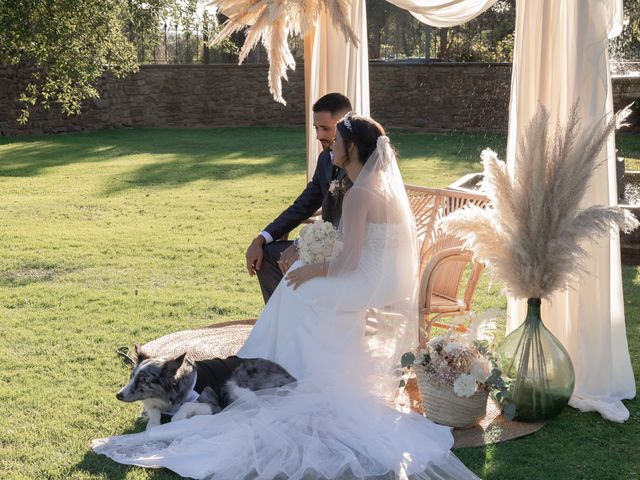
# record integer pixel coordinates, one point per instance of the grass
(121, 236)
(629, 148)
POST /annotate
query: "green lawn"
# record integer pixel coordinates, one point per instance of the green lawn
(629, 147)
(120, 236)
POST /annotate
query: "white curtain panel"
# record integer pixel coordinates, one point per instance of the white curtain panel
(336, 65)
(561, 58)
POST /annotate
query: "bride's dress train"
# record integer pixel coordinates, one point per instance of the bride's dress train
(328, 425)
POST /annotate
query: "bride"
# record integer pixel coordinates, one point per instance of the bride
(339, 327)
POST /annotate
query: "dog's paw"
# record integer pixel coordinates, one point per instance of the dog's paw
(188, 410)
(235, 392)
(151, 425)
(154, 418)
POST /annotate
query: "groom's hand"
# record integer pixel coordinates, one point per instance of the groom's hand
(254, 255)
(287, 258)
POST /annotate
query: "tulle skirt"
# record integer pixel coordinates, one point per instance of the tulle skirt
(303, 431)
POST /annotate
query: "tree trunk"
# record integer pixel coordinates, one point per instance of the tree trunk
(374, 45)
(443, 43)
(427, 43)
(205, 46)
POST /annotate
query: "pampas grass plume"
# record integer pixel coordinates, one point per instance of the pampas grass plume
(271, 22)
(533, 233)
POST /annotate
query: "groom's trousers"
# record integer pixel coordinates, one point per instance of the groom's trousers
(269, 274)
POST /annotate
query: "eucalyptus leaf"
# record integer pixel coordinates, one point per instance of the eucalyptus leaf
(407, 359)
(510, 411)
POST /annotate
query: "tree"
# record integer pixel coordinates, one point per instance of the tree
(394, 32)
(626, 46)
(486, 38)
(143, 25)
(377, 13)
(68, 44)
(393, 28)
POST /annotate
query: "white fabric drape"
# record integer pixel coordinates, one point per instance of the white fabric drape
(444, 13)
(334, 65)
(561, 58)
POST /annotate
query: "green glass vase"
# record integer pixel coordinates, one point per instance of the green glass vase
(540, 369)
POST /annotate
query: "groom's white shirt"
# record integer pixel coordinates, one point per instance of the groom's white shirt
(267, 236)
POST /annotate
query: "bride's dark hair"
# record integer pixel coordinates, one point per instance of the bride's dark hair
(361, 131)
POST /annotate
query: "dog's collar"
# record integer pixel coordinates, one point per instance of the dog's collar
(192, 396)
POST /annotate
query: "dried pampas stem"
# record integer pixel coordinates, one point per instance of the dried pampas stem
(531, 234)
(271, 22)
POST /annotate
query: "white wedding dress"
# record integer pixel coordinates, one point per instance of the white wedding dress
(333, 423)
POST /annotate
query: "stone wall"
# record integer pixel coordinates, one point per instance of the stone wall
(164, 96)
(433, 97)
(441, 97)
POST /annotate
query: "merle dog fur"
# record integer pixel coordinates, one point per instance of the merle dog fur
(163, 383)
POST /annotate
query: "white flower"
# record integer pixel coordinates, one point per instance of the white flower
(316, 242)
(452, 347)
(435, 341)
(465, 385)
(481, 369)
(333, 187)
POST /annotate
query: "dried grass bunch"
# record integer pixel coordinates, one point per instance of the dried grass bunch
(271, 22)
(531, 235)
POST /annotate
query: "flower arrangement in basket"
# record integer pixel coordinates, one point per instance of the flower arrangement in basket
(318, 242)
(454, 377)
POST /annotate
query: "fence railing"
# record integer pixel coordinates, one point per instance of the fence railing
(171, 43)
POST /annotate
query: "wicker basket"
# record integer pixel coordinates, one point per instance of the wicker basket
(443, 406)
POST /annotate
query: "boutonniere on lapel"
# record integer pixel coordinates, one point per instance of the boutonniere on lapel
(335, 187)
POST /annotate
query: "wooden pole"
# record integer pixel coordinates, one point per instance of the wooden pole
(308, 101)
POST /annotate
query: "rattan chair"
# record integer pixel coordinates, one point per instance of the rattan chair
(443, 260)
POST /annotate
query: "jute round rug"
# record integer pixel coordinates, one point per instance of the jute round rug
(218, 340)
(225, 339)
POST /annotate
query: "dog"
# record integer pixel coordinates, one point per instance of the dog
(181, 388)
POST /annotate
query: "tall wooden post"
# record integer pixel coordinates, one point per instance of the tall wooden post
(308, 101)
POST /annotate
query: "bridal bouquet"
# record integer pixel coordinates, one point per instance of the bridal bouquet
(318, 242)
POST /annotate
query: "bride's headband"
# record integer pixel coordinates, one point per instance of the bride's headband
(347, 123)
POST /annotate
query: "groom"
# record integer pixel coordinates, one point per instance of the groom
(269, 257)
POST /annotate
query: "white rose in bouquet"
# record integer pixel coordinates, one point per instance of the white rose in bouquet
(453, 348)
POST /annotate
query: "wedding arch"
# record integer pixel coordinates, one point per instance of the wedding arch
(560, 59)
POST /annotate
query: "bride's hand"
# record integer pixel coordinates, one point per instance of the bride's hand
(297, 277)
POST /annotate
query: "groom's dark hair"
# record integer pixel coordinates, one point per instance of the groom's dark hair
(334, 103)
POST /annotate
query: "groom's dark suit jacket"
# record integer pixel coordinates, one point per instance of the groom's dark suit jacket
(313, 197)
